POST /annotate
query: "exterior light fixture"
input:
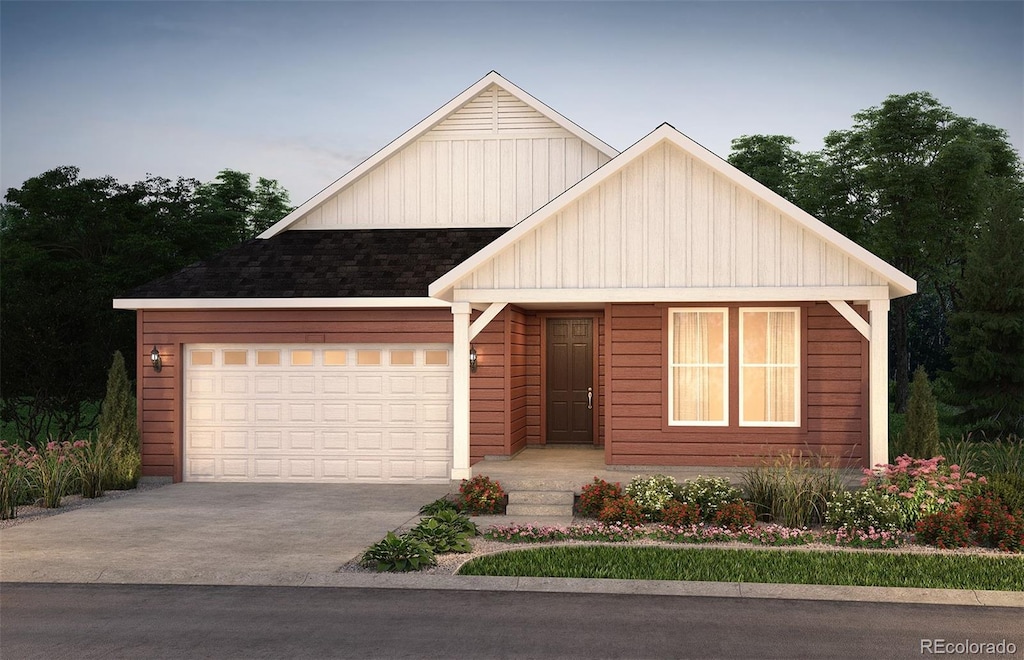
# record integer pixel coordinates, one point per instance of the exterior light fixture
(154, 357)
(472, 359)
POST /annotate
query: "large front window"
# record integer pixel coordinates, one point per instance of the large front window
(699, 367)
(767, 366)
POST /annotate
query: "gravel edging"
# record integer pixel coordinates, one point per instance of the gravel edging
(30, 512)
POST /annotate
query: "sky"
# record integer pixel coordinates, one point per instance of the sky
(301, 92)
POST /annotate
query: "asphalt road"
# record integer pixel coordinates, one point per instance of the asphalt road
(145, 621)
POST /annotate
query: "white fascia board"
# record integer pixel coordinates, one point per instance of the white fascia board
(674, 295)
(492, 78)
(276, 303)
(900, 284)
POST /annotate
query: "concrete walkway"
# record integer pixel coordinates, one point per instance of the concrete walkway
(299, 535)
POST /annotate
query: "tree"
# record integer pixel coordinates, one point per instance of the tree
(770, 160)
(71, 244)
(987, 332)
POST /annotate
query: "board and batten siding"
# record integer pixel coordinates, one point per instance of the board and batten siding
(667, 221)
(834, 396)
(489, 164)
(160, 393)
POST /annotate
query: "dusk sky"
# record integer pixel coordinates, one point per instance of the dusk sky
(302, 92)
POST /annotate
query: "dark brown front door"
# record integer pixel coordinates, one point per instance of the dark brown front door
(570, 373)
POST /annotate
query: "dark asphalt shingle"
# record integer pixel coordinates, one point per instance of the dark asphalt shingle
(355, 263)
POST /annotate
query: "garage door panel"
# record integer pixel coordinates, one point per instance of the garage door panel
(318, 413)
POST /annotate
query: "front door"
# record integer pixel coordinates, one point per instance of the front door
(570, 373)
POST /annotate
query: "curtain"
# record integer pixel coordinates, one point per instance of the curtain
(780, 376)
(692, 375)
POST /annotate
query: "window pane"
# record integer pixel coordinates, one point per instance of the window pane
(698, 394)
(401, 358)
(367, 358)
(335, 358)
(302, 358)
(235, 357)
(437, 358)
(268, 358)
(202, 358)
(769, 337)
(699, 337)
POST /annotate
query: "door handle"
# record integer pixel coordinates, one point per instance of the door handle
(590, 398)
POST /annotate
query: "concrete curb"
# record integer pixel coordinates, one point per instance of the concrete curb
(968, 597)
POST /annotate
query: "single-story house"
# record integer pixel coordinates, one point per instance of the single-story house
(498, 278)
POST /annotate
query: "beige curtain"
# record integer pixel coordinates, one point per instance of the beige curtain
(780, 381)
(692, 386)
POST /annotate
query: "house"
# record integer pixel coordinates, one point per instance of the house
(498, 278)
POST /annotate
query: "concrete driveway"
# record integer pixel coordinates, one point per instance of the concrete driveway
(211, 533)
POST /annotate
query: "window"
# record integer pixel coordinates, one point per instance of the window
(235, 358)
(202, 358)
(268, 358)
(367, 358)
(770, 367)
(437, 358)
(402, 358)
(335, 358)
(698, 367)
(302, 358)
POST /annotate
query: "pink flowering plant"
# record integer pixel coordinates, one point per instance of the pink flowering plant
(16, 465)
(922, 486)
(55, 468)
(864, 538)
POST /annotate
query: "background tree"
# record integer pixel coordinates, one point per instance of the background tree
(910, 181)
(69, 245)
(920, 437)
(987, 331)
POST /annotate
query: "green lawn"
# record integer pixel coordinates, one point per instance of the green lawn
(883, 569)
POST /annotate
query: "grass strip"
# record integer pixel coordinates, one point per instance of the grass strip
(881, 569)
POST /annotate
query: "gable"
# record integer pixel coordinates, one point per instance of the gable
(489, 160)
(668, 217)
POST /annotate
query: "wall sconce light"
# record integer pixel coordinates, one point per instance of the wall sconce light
(154, 357)
(472, 359)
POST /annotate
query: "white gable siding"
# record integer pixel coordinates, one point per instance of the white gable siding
(668, 220)
(491, 163)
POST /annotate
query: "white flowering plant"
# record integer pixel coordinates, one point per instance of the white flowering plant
(864, 509)
(709, 493)
(652, 493)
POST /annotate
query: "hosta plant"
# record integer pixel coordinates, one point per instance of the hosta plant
(399, 554)
(708, 493)
(481, 495)
(652, 493)
(440, 536)
(594, 495)
(456, 520)
(437, 506)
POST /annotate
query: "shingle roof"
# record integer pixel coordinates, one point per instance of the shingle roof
(326, 263)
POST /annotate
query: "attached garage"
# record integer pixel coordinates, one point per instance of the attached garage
(317, 412)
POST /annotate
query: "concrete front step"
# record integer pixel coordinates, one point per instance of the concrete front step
(540, 503)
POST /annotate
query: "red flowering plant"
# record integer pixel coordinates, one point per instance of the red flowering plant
(16, 465)
(943, 529)
(481, 495)
(623, 510)
(922, 486)
(993, 524)
(735, 516)
(679, 514)
(594, 495)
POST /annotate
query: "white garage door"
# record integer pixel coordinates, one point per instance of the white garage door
(318, 413)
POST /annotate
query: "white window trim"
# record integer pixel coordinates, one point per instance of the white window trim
(724, 311)
(799, 376)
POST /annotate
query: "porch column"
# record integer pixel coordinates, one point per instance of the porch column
(878, 380)
(460, 406)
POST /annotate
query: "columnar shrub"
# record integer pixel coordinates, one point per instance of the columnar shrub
(652, 493)
(16, 466)
(118, 427)
(863, 510)
(594, 495)
(678, 514)
(922, 486)
(735, 516)
(622, 510)
(921, 432)
(481, 495)
(945, 529)
(708, 493)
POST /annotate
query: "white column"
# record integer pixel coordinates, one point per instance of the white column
(460, 372)
(878, 379)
